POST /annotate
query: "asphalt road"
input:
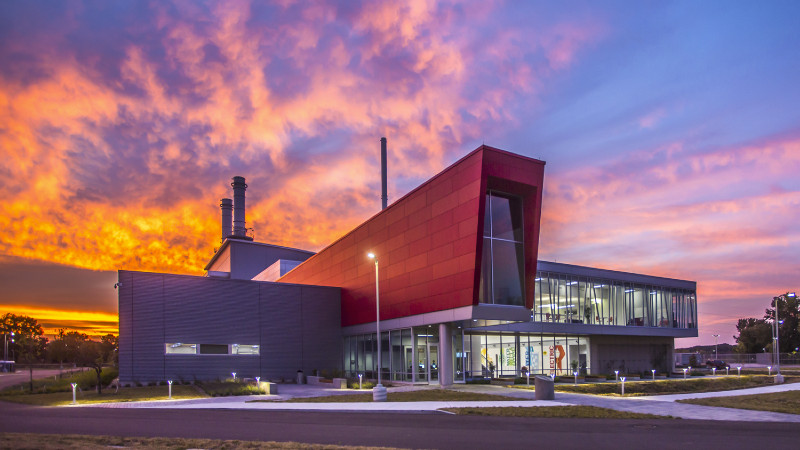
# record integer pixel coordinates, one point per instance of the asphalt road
(436, 430)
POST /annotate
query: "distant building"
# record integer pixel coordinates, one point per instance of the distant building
(462, 295)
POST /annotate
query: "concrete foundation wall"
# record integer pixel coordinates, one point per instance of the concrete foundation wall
(295, 326)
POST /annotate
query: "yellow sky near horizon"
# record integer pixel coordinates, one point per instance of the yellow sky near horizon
(92, 323)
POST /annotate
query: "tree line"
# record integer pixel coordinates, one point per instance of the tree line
(756, 335)
(26, 344)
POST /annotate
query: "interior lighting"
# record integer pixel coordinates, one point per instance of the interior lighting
(628, 291)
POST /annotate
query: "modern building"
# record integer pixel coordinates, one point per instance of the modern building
(462, 295)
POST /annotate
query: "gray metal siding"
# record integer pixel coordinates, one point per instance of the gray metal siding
(321, 328)
(147, 320)
(125, 292)
(296, 327)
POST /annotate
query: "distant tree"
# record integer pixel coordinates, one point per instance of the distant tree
(95, 355)
(22, 327)
(756, 335)
(110, 348)
(29, 343)
(66, 346)
(789, 318)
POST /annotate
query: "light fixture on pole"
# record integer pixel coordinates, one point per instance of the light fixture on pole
(378, 392)
(716, 355)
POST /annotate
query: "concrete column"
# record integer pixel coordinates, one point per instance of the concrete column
(445, 355)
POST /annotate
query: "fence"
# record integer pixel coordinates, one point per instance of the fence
(751, 358)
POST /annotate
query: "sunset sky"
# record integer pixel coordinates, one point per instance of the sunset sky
(671, 132)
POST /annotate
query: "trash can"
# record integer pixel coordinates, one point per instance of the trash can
(300, 377)
(544, 388)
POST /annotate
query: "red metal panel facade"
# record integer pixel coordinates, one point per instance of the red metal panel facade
(429, 242)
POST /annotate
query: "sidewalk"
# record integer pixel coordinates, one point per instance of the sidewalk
(659, 405)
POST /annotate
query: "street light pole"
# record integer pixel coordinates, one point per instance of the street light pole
(716, 355)
(778, 376)
(378, 392)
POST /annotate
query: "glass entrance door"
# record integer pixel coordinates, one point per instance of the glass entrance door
(433, 357)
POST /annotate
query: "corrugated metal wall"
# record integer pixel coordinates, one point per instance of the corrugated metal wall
(296, 327)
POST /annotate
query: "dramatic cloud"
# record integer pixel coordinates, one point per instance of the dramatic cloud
(671, 136)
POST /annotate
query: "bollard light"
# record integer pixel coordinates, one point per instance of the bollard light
(258, 383)
(576, 377)
(528, 377)
(359, 380)
(74, 385)
(234, 375)
(169, 382)
(623, 385)
(553, 376)
(714, 371)
(769, 370)
(684, 374)
(726, 370)
(739, 368)
(616, 375)
(654, 374)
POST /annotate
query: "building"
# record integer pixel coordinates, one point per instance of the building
(462, 295)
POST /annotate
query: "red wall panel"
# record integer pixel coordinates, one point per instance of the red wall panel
(428, 242)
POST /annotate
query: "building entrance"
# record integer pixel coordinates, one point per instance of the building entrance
(428, 363)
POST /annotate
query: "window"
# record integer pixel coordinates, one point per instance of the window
(177, 348)
(242, 349)
(503, 262)
(181, 349)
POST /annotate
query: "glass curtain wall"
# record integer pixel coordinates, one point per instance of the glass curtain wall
(503, 263)
(410, 354)
(573, 299)
(500, 355)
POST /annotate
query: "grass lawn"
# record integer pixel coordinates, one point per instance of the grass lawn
(671, 386)
(424, 395)
(782, 402)
(124, 395)
(74, 441)
(571, 412)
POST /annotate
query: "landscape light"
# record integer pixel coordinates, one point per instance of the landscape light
(654, 374)
(616, 375)
(623, 385)
(714, 371)
(359, 380)
(769, 370)
(234, 375)
(576, 377)
(684, 374)
(74, 385)
(169, 382)
(739, 368)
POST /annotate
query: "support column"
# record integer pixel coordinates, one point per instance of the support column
(445, 355)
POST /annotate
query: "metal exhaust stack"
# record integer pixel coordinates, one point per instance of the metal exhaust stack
(384, 195)
(226, 205)
(239, 187)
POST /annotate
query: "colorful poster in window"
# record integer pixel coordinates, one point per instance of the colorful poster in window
(557, 358)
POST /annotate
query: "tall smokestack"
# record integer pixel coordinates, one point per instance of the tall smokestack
(239, 187)
(384, 195)
(226, 205)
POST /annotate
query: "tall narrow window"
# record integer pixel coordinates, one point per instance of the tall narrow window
(503, 262)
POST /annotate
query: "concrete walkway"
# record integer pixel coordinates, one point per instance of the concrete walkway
(665, 405)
